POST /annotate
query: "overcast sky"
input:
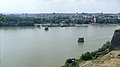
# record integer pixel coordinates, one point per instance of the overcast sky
(59, 6)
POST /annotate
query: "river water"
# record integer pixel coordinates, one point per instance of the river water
(34, 47)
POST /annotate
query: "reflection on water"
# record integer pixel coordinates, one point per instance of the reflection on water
(34, 47)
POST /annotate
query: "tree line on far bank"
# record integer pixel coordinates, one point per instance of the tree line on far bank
(30, 21)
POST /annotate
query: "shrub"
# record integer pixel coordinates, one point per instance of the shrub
(101, 51)
(86, 56)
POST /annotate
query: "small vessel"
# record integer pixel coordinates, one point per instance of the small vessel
(81, 25)
(46, 29)
(81, 39)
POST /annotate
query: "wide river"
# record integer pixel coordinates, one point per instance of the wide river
(33, 47)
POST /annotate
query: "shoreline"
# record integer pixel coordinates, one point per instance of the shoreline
(75, 25)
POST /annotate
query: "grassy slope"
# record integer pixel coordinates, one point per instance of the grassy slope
(109, 60)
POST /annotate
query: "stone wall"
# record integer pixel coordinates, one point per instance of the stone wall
(115, 42)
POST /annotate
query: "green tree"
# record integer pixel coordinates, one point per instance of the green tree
(86, 56)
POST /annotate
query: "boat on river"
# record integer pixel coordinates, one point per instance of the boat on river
(46, 29)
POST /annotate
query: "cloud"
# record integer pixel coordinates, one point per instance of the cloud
(33, 6)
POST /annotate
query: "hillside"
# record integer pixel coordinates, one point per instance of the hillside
(112, 59)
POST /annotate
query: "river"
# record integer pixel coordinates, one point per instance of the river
(34, 47)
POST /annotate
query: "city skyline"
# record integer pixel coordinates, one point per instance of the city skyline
(59, 6)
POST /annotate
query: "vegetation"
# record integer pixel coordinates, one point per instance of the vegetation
(86, 56)
(92, 55)
(6, 20)
(101, 51)
(15, 21)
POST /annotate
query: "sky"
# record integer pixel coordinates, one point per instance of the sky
(59, 6)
